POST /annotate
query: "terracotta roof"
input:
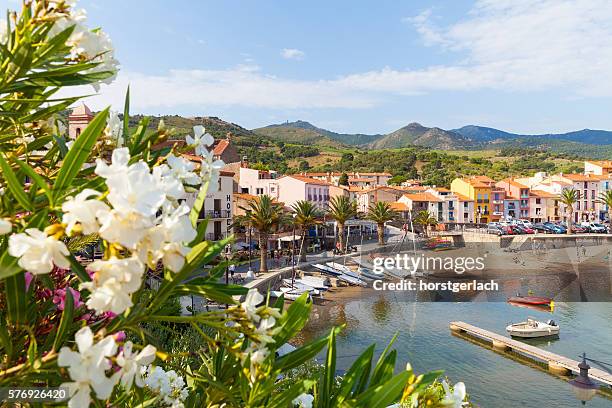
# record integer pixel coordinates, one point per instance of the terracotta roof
(397, 206)
(479, 181)
(422, 197)
(357, 180)
(220, 147)
(441, 189)
(461, 197)
(542, 194)
(580, 177)
(309, 180)
(601, 163)
(514, 183)
(372, 174)
(81, 110)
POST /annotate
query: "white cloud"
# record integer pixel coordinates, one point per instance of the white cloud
(292, 53)
(504, 45)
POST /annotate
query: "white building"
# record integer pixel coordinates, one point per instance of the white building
(258, 182)
(295, 188)
(217, 208)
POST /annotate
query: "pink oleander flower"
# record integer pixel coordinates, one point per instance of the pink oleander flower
(59, 298)
(120, 336)
(28, 280)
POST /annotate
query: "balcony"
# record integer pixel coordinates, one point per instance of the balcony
(500, 213)
(211, 236)
(215, 214)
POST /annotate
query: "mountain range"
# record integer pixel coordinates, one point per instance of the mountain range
(592, 143)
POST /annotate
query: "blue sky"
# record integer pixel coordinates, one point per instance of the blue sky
(528, 66)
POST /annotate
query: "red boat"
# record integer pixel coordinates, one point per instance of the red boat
(531, 300)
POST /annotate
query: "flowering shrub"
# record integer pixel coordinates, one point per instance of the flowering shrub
(64, 322)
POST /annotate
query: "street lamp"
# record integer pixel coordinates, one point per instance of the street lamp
(250, 271)
(584, 389)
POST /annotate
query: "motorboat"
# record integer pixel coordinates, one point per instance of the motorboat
(533, 328)
(531, 300)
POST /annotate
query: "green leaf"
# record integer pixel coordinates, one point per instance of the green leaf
(78, 269)
(384, 371)
(8, 266)
(15, 294)
(61, 143)
(126, 117)
(32, 351)
(65, 322)
(218, 292)
(356, 378)
(40, 182)
(329, 374)
(79, 153)
(285, 398)
(194, 215)
(295, 319)
(384, 394)
(14, 185)
(299, 356)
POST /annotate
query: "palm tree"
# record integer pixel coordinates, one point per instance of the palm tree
(606, 199)
(380, 213)
(266, 216)
(425, 219)
(569, 197)
(342, 209)
(306, 215)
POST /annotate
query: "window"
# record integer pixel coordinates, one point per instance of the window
(578, 205)
(586, 184)
(259, 191)
(538, 201)
(592, 194)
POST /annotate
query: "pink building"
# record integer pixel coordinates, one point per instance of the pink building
(517, 192)
(295, 188)
(78, 120)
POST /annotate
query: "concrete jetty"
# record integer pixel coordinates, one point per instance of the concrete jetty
(556, 363)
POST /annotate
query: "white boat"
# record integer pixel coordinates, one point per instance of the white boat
(327, 269)
(368, 273)
(533, 328)
(316, 282)
(347, 271)
(287, 295)
(298, 288)
(353, 280)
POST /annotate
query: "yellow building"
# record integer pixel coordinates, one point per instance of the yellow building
(479, 189)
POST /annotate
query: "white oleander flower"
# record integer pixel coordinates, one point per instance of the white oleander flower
(119, 164)
(171, 186)
(38, 252)
(454, 399)
(257, 354)
(114, 128)
(303, 401)
(265, 330)
(131, 364)
(136, 191)
(167, 384)
(127, 229)
(87, 368)
(182, 169)
(69, 144)
(200, 140)
(5, 226)
(210, 170)
(85, 211)
(113, 283)
(250, 304)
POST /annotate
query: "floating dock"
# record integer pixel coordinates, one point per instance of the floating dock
(556, 363)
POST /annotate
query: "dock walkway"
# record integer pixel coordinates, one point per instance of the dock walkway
(556, 363)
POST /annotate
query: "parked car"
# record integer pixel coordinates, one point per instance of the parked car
(556, 229)
(517, 229)
(580, 229)
(595, 227)
(524, 223)
(507, 230)
(526, 230)
(494, 229)
(541, 227)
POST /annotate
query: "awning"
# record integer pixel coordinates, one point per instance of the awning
(289, 239)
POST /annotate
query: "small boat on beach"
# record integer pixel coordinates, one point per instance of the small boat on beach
(327, 270)
(533, 328)
(316, 282)
(287, 295)
(348, 271)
